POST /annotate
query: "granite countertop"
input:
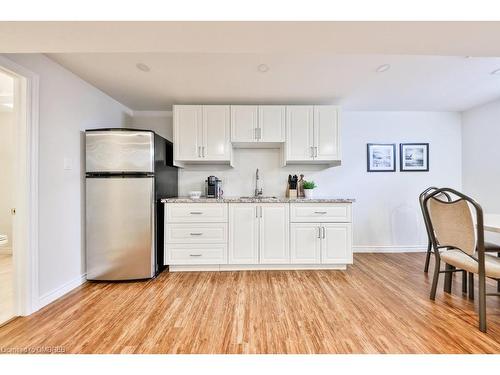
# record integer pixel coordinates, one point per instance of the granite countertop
(257, 200)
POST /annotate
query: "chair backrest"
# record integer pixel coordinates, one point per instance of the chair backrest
(451, 223)
(421, 198)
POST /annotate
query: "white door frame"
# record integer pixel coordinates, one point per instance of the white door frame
(25, 233)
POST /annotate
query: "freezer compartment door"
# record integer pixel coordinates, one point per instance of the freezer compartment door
(120, 228)
(119, 151)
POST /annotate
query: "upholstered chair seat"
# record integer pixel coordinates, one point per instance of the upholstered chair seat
(461, 260)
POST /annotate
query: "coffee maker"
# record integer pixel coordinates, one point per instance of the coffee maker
(213, 187)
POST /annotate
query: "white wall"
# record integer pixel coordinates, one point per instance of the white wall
(6, 175)
(160, 123)
(68, 105)
(481, 167)
(386, 212)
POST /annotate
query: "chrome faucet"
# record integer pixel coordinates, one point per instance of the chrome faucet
(258, 192)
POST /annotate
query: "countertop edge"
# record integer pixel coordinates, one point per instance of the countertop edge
(252, 200)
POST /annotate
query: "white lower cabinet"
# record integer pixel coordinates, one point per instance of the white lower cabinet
(321, 243)
(257, 236)
(336, 243)
(259, 233)
(305, 245)
(192, 253)
(243, 233)
(195, 234)
(274, 234)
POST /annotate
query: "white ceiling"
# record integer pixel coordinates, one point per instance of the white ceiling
(412, 83)
(396, 38)
(216, 62)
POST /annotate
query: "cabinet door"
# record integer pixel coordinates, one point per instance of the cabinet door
(244, 123)
(188, 132)
(326, 132)
(274, 233)
(299, 132)
(216, 137)
(336, 245)
(271, 123)
(243, 233)
(305, 244)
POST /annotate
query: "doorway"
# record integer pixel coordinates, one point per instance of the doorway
(19, 191)
(8, 154)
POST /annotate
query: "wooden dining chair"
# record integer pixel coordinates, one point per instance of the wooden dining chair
(457, 243)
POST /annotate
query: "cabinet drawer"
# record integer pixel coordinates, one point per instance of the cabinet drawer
(196, 233)
(185, 254)
(320, 212)
(196, 213)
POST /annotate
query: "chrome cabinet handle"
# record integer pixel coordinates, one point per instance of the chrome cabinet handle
(315, 152)
(324, 232)
(320, 212)
(199, 151)
(312, 151)
(195, 213)
(195, 255)
(202, 151)
(261, 211)
(196, 234)
(319, 232)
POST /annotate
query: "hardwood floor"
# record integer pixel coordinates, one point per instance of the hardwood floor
(6, 288)
(380, 305)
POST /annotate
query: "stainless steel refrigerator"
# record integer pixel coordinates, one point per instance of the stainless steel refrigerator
(127, 173)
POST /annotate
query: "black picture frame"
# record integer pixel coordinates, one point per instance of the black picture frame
(403, 166)
(369, 159)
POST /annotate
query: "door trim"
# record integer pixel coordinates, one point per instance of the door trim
(25, 255)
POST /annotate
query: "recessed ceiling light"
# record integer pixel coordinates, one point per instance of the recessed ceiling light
(143, 67)
(496, 72)
(263, 68)
(383, 68)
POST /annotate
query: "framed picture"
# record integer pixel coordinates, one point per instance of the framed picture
(414, 157)
(381, 157)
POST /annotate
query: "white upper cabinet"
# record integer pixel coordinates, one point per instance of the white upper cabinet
(216, 132)
(244, 119)
(271, 123)
(188, 132)
(326, 133)
(308, 134)
(299, 133)
(202, 133)
(312, 134)
(257, 124)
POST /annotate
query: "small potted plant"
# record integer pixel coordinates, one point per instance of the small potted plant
(308, 189)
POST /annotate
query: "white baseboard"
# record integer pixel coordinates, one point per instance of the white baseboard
(256, 267)
(5, 251)
(390, 249)
(61, 291)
